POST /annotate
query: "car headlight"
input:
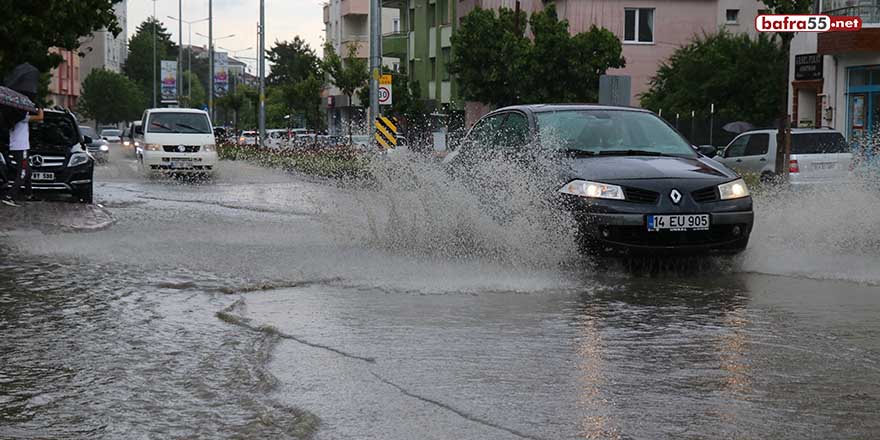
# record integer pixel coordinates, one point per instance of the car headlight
(137, 143)
(209, 148)
(126, 143)
(104, 148)
(593, 190)
(736, 189)
(153, 147)
(78, 159)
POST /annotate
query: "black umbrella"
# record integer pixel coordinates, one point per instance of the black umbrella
(738, 127)
(13, 99)
(25, 78)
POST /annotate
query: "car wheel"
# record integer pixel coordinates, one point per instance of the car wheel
(85, 195)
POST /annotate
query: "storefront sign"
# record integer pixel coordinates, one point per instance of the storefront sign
(807, 67)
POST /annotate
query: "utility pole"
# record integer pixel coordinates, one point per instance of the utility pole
(261, 59)
(375, 59)
(179, 52)
(211, 60)
(155, 73)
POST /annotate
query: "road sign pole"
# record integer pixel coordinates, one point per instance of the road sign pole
(375, 56)
(262, 61)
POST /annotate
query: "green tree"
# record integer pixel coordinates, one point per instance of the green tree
(292, 62)
(490, 56)
(783, 137)
(109, 98)
(738, 74)
(30, 28)
(349, 75)
(233, 102)
(195, 98)
(139, 64)
(304, 98)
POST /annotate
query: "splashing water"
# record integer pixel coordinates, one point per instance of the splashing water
(499, 211)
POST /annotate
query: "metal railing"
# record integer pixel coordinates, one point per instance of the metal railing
(870, 14)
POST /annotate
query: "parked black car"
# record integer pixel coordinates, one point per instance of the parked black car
(633, 183)
(58, 158)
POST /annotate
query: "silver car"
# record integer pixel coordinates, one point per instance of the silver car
(818, 156)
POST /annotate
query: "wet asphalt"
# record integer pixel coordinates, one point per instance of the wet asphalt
(265, 304)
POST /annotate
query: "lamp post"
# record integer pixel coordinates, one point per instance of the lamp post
(262, 69)
(211, 40)
(189, 51)
(155, 73)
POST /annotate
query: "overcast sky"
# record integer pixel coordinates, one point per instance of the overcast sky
(284, 20)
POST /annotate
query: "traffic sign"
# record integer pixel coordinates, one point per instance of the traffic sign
(385, 95)
(386, 132)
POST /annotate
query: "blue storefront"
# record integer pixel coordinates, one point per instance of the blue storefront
(863, 98)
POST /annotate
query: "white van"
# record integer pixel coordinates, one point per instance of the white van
(818, 156)
(177, 140)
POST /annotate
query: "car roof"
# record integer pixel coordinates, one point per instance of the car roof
(176, 110)
(793, 131)
(539, 108)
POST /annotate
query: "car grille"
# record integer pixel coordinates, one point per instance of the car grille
(640, 236)
(637, 195)
(708, 194)
(176, 148)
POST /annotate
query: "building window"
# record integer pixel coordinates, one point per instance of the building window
(395, 25)
(638, 26)
(446, 57)
(444, 13)
(433, 69)
(432, 15)
(732, 16)
(412, 20)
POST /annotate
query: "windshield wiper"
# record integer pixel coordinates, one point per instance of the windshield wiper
(189, 127)
(160, 125)
(574, 152)
(633, 153)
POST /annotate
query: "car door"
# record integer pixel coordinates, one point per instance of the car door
(754, 159)
(735, 151)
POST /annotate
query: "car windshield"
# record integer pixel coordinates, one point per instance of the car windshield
(818, 143)
(179, 123)
(88, 131)
(55, 131)
(611, 132)
(111, 133)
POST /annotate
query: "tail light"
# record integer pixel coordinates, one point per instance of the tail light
(793, 166)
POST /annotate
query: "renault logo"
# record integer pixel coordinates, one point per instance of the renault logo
(675, 196)
(36, 161)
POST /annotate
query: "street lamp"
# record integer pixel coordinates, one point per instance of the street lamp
(189, 52)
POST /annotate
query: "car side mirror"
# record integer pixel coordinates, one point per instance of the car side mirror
(707, 150)
(139, 130)
(87, 140)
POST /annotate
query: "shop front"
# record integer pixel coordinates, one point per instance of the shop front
(863, 97)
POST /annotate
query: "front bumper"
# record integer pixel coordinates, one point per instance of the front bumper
(161, 161)
(66, 179)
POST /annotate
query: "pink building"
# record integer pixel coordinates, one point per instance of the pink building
(64, 85)
(650, 30)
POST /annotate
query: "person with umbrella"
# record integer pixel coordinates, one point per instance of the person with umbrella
(17, 115)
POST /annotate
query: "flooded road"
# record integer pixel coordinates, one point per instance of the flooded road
(267, 305)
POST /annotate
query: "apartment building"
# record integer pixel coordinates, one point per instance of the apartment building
(64, 87)
(835, 76)
(347, 24)
(102, 50)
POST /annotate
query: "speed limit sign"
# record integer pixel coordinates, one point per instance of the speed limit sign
(385, 90)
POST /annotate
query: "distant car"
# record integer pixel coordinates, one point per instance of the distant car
(630, 181)
(131, 136)
(58, 158)
(818, 156)
(112, 135)
(177, 140)
(247, 138)
(98, 148)
(277, 138)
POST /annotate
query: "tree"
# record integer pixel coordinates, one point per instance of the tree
(109, 97)
(736, 73)
(292, 62)
(139, 64)
(349, 75)
(30, 28)
(195, 98)
(233, 102)
(304, 97)
(497, 64)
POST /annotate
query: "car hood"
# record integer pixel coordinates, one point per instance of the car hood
(648, 167)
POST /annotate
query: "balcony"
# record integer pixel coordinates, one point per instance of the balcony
(867, 10)
(394, 45)
(360, 41)
(354, 7)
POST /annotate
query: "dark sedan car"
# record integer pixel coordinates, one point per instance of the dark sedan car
(632, 182)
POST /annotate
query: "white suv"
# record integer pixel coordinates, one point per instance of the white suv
(818, 156)
(177, 140)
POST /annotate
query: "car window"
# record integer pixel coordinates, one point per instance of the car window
(179, 123)
(737, 148)
(609, 131)
(818, 143)
(758, 144)
(486, 130)
(514, 130)
(53, 131)
(88, 131)
(111, 133)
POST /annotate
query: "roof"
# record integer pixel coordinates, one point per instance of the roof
(562, 107)
(176, 110)
(793, 130)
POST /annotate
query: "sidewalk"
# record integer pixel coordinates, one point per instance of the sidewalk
(55, 217)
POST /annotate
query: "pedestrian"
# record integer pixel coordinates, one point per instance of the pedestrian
(19, 144)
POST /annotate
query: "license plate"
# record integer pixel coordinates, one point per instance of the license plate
(684, 222)
(823, 165)
(181, 165)
(42, 176)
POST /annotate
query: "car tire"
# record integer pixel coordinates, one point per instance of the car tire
(85, 195)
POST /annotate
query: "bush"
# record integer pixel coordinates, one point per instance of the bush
(336, 161)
